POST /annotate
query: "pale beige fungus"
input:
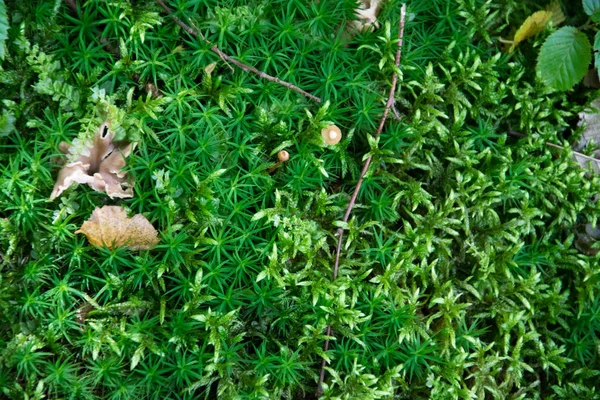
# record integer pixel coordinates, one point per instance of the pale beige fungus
(109, 226)
(99, 165)
(331, 134)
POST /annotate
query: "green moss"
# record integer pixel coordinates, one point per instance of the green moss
(462, 274)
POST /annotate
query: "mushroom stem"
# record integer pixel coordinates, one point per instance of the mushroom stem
(282, 157)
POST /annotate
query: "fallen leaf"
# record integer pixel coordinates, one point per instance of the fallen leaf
(367, 15)
(109, 226)
(591, 79)
(558, 17)
(97, 164)
(590, 133)
(533, 25)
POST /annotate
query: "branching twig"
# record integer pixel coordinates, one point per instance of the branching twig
(340, 231)
(226, 58)
(553, 145)
(517, 134)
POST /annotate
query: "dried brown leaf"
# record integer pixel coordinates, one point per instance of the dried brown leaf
(367, 16)
(591, 133)
(558, 17)
(98, 165)
(109, 226)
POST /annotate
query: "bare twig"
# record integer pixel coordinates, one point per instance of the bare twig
(397, 116)
(553, 145)
(340, 231)
(227, 58)
(513, 133)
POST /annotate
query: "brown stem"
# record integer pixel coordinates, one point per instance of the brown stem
(340, 231)
(517, 134)
(227, 58)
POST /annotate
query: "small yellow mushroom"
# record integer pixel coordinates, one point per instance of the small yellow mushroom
(283, 156)
(331, 134)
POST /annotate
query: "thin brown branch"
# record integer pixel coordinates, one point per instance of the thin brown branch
(397, 116)
(578, 155)
(513, 133)
(340, 231)
(227, 58)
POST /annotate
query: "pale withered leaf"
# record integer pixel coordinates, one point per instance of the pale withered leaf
(591, 133)
(98, 164)
(367, 16)
(109, 226)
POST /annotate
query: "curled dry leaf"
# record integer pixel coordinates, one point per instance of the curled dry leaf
(98, 165)
(537, 22)
(367, 16)
(109, 226)
(589, 134)
(591, 79)
(558, 17)
(533, 25)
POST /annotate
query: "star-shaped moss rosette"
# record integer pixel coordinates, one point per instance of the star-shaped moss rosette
(98, 164)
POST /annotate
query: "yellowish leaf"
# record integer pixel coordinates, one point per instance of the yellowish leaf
(109, 226)
(533, 25)
(366, 16)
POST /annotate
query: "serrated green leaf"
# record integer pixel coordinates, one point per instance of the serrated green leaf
(592, 8)
(564, 58)
(3, 29)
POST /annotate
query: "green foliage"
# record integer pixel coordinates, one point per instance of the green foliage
(565, 55)
(564, 58)
(3, 29)
(462, 273)
(592, 8)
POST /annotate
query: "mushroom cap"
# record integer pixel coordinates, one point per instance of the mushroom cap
(331, 134)
(283, 155)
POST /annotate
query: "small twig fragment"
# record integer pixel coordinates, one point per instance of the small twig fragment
(397, 116)
(340, 231)
(226, 58)
(581, 158)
